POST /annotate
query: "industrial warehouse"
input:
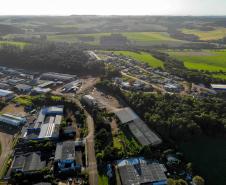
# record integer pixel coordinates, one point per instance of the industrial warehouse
(46, 126)
(6, 95)
(138, 171)
(12, 120)
(139, 129)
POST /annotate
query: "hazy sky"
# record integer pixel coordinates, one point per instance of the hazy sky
(113, 7)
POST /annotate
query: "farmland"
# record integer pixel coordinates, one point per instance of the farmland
(213, 61)
(216, 34)
(207, 161)
(142, 57)
(13, 43)
(139, 38)
(147, 37)
(73, 38)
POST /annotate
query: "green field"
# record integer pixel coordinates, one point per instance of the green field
(142, 57)
(18, 44)
(220, 76)
(149, 37)
(102, 180)
(216, 34)
(73, 38)
(24, 100)
(213, 61)
(208, 156)
(140, 38)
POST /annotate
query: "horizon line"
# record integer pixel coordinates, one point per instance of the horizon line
(122, 15)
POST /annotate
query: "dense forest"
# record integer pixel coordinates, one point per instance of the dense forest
(8, 29)
(176, 117)
(182, 118)
(64, 58)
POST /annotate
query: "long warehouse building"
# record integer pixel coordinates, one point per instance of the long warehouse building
(139, 129)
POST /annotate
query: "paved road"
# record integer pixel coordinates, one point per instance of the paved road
(148, 83)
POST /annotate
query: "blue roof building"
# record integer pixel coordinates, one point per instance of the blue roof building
(65, 157)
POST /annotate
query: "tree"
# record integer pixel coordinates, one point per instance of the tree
(197, 180)
(176, 182)
(170, 181)
(181, 182)
(189, 168)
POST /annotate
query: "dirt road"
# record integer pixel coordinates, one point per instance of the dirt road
(92, 164)
(6, 143)
(153, 85)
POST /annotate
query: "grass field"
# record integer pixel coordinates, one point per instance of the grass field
(208, 60)
(24, 100)
(149, 36)
(220, 76)
(18, 44)
(142, 57)
(216, 34)
(209, 157)
(102, 180)
(140, 38)
(73, 38)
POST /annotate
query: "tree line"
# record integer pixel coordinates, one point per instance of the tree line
(63, 58)
(177, 68)
(176, 117)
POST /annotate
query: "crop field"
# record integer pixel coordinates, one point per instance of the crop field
(142, 57)
(13, 43)
(139, 38)
(209, 60)
(73, 38)
(209, 163)
(149, 37)
(216, 34)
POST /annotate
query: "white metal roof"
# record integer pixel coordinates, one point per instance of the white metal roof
(218, 86)
(4, 93)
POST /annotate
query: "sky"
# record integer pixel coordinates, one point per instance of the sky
(112, 7)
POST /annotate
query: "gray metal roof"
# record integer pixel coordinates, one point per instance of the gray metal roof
(139, 129)
(23, 86)
(126, 115)
(28, 162)
(143, 133)
(65, 151)
(57, 76)
(141, 173)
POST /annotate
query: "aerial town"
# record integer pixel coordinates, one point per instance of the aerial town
(112, 100)
(47, 125)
